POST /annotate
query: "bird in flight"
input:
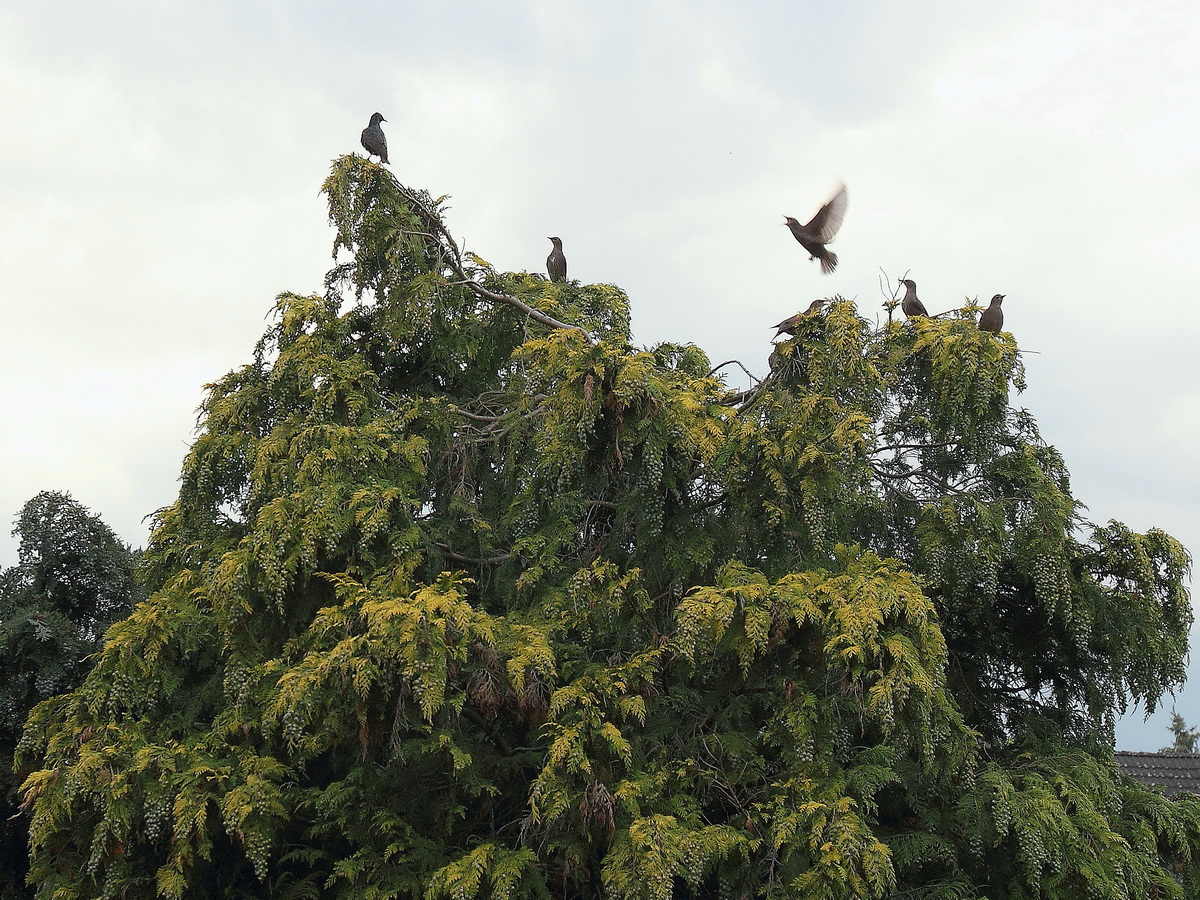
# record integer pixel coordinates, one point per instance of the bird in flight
(556, 263)
(821, 229)
(373, 139)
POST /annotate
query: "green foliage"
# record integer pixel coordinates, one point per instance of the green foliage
(465, 597)
(72, 579)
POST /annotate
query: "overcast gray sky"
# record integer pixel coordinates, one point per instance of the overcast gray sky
(160, 166)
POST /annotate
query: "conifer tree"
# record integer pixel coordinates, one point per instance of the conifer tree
(465, 596)
(1185, 738)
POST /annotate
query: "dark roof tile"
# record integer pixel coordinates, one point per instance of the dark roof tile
(1174, 773)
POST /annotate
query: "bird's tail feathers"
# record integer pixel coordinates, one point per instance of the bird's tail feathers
(828, 262)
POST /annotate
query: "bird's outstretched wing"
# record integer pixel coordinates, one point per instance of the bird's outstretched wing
(828, 220)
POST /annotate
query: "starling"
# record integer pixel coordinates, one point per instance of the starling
(556, 263)
(791, 323)
(373, 140)
(910, 304)
(992, 318)
(821, 229)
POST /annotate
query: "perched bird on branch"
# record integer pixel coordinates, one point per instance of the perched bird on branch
(373, 140)
(821, 229)
(911, 304)
(791, 323)
(992, 318)
(556, 263)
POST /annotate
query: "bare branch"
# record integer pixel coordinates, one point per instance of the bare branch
(535, 314)
(883, 447)
(898, 475)
(463, 412)
(509, 415)
(456, 264)
(709, 504)
(475, 560)
(748, 398)
(731, 362)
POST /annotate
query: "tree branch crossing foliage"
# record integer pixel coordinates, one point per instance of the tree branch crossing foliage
(464, 596)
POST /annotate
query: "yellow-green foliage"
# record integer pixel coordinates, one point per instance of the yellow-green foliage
(464, 597)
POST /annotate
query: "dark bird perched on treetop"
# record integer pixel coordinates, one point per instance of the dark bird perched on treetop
(821, 229)
(556, 263)
(992, 318)
(911, 305)
(791, 323)
(373, 140)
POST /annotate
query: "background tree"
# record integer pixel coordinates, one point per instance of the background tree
(465, 596)
(73, 578)
(1185, 738)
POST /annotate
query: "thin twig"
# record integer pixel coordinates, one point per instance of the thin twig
(892, 300)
